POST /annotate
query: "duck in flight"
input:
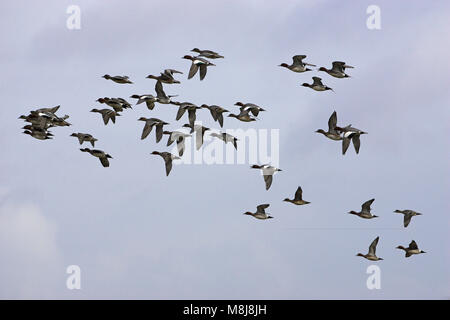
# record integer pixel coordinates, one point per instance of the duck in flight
(407, 215)
(191, 109)
(317, 85)
(332, 133)
(243, 116)
(149, 124)
(168, 158)
(198, 63)
(253, 108)
(149, 100)
(298, 200)
(117, 79)
(260, 212)
(216, 112)
(207, 53)
(365, 210)
(82, 137)
(268, 172)
(107, 114)
(99, 154)
(337, 70)
(166, 76)
(161, 96)
(297, 64)
(371, 255)
(411, 249)
(353, 134)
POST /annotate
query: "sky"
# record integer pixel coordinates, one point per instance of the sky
(137, 234)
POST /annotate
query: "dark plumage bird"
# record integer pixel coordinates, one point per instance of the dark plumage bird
(168, 158)
(107, 114)
(198, 63)
(353, 134)
(337, 70)
(371, 255)
(365, 210)
(317, 85)
(260, 212)
(166, 76)
(117, 79)
(149, 124)
(332, 133)
(216, 112)
(82, 137)
(99, 154)
(268, 172)
(191, 109)
(411, 249)
(407, 215)
(298, 200)
(297, 64)
(207, 53)
(161, 96)
(253, 108)
(147, 98)
(243, 116)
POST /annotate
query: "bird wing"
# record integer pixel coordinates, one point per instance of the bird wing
(220, 119)
(373, 246)
(332, 122)
(81, 139)
(268, 180)
(356, 142)
(406, 219)
(150, 104)
(191, 116)
(104, 161)
(261, 208)
(199, 138)
(106, 117)
(298, 194)
(192, 70)
(159, 131)
(338, 66)
(159, 90)
(345, 144)
(180, 145)
(147, 129)
(413, 245)
(203, 70)
(168, 162)
(366, 205)
(317, 81)
(297, 60)
(181, 111)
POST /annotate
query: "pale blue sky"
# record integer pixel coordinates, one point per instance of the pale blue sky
(136, 233)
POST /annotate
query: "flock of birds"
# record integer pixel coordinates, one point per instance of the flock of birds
(41, 120)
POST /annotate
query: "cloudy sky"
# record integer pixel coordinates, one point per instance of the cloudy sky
(137, 234)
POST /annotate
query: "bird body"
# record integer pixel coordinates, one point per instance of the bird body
(260, 212)
(371, 255)
(365, 210)
(298, 199)
(99, 154)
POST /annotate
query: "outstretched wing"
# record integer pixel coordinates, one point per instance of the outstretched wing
(406, 219)
(159, 90)
(317, 81)
(203, 70)
(104, 161)
(261, 208)
(298, 194)
(413, 245)
(268, 180)
(366, 205)
(356, 142)
(147, 129)
(373, 246)
(345, 144)
(332, 122)
(193, 70)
